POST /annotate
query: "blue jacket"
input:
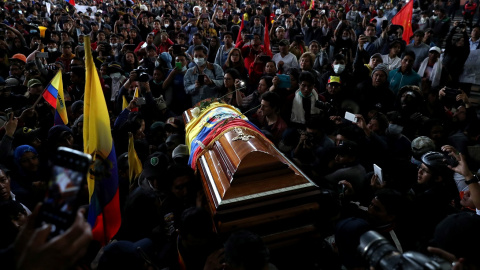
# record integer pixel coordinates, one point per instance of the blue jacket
(398, 80)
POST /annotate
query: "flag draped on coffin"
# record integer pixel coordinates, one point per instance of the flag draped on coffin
(210, 124)
(104, 208)
(404, 18)
(53, 94)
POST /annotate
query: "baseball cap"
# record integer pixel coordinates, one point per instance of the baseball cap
(155, 165)
(180, 151)
(422, 145)
(283, 42)
(19, 57)
(436, 49)
(376, 55)
(334, 79)
(33, 82)
(11, 82)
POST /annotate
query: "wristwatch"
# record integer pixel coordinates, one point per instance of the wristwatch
(473, 180)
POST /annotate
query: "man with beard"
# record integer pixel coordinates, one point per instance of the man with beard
(404, 75)
(177, 29)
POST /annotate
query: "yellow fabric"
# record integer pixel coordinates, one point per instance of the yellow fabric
(97, 138)
(134, 164)
(57, 82)
(124, 103)
(194, 127)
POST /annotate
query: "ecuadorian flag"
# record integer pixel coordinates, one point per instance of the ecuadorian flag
(104, 208)
(53, 94)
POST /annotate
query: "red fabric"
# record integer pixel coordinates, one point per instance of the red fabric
(266, 43)
(239, 36)
(404, 18)
(104, 231)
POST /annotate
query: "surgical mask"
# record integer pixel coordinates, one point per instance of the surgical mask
(52, 49)
(184, 69)
(394, 129)
(155, 82)
(199, 61)
(105, 76)
(157, 63)
(80, 44)
(345, 38)
(115, 75)
(338, 68)
(434, 17)
(113, 44)
(166, 25)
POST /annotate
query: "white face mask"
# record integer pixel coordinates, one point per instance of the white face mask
(166, 25)
(113, 45)
(115, 75)
(345, 38)
(184, 68)
(199, 61)
(338, 68)
(52, 49)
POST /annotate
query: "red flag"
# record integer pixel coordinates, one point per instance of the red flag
(239, 36)
(266, 42)
(404, 18)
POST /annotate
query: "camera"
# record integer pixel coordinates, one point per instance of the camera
(33, 72)
(451, 93)
(382, 255)
(324, 106)
(142, 75)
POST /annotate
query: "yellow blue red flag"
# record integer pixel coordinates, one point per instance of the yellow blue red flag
(53, 94)
(134, 164)
(104, 209)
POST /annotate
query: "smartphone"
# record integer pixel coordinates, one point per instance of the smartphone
(451, 93)
(9, 113)
(178, 65)
(141, 101)
(42, 55)
(177, 49)
(378, 171)
(265, 58)
(384, 24)
(284, 81)
(350, 117)
(69, 176)
(201, 78)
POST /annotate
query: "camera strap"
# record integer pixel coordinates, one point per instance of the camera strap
(396, 241)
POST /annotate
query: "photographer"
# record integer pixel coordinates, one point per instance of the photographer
(137, 79)
(456, 52)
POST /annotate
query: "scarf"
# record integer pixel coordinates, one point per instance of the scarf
(298, 114)
(436, 71)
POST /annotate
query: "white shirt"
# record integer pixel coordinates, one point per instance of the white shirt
(289, 61)
(474, 44)
(391, 63)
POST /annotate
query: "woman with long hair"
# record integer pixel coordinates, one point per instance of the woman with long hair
(235, 60)
(129, 62)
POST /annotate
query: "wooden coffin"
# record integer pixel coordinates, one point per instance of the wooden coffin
(249, 184)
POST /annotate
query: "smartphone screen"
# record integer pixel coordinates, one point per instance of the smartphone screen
(378, 171)
(69, 172)
(350, 117)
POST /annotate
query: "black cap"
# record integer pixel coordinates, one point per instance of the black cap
(155, 165)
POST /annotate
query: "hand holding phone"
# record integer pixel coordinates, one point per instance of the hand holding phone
(69, 174)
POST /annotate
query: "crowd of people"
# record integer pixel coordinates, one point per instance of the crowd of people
(333, 84)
